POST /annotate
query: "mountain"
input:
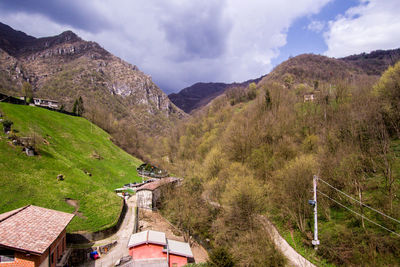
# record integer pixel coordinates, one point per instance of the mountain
(200, 94)
(64, 67)
(252, 155)
(376, 62)
(308, 68)
(304, 67)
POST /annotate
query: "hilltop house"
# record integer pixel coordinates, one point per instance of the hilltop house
(152, 247)
(147, 195)
(33, 236)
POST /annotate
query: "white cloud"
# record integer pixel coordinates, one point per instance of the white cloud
(316, 26)
(180, 42)
(372, 25)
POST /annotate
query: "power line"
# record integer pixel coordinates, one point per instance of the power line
(383, 227)
(381, 213)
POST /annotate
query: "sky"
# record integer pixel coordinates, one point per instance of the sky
(181, 42)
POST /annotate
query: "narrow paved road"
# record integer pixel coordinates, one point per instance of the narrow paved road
(295, 259)
(122, 236)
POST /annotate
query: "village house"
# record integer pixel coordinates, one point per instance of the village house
(33, 236)
(309, 97)
(147, 195)
(152, 247)
(45, 103)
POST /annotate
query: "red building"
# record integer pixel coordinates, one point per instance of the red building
(152, 246)
(33, 236)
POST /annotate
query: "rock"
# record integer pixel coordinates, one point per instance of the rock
(29, 151)
(87, 173)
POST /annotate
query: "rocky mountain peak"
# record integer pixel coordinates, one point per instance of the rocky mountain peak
(65, 66)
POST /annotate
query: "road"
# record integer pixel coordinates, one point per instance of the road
(295, 259)
(122, 236)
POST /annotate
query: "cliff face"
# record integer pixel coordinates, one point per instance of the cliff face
(64, 67)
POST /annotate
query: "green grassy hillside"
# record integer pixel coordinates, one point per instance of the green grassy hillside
(67, 145)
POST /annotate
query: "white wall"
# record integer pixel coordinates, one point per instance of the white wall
(144, 199)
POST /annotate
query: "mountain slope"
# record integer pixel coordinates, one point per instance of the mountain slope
(64, 67)
(258, 157)
(200, 94)
(306, 68)
(91, 164)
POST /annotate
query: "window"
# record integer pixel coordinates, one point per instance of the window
(6, 255)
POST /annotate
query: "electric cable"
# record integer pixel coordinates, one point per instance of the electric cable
(381, 213)
(371, 221)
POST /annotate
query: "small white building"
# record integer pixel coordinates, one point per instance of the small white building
(309, 97)
(148, 194)
(45, 103)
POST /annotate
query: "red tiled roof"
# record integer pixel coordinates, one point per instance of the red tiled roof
(154, 185)
(32, 228)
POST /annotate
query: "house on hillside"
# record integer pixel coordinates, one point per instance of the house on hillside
(45, 103)
(309, 97)
(147, 169)
(152, 247)
(33, 236)
(148, 194)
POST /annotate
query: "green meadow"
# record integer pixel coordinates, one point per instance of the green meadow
(83, 153)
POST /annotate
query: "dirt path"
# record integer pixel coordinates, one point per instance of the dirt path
(122, 236)
(74, 203)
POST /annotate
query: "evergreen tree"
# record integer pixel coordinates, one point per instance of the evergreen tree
(75, 108)
(78, 107)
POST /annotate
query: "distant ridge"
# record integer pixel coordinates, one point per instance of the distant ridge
(303, 67)
(200, 94)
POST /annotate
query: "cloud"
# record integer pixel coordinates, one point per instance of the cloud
(177, 42)
(199, 34)
(316, 26)
(78, 14)
(371, 25)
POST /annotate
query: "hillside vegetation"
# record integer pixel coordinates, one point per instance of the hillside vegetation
(250, 154)
(117, 96)
(91, 164)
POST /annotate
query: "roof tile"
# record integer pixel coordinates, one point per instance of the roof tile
(32, 228)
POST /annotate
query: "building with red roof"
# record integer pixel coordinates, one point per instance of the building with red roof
(33, 236)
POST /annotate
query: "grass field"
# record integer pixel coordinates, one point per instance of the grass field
(70, 146)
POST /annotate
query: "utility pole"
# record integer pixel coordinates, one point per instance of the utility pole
(315, 242)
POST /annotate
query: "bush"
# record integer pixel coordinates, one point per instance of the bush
(7, 125)
(220, 257)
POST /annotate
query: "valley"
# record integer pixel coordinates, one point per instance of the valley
(245, 154)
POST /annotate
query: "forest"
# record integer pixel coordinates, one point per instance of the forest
(253, 151)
